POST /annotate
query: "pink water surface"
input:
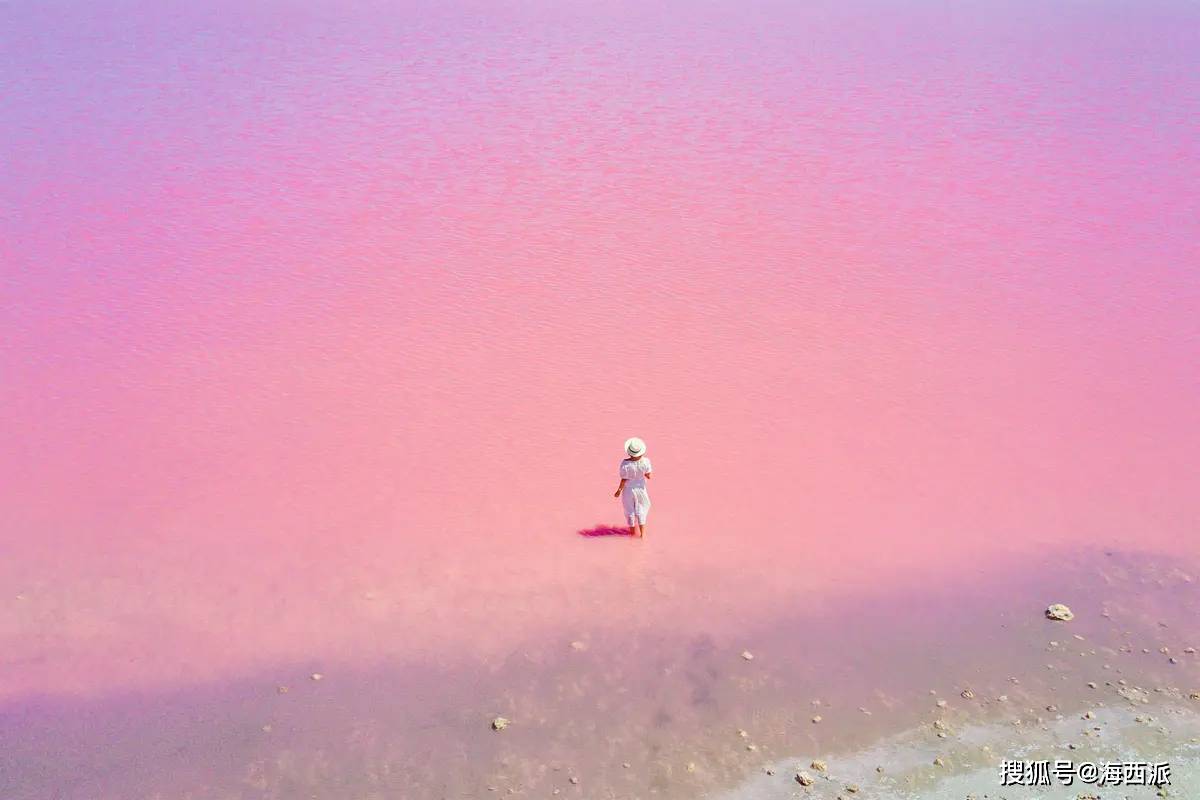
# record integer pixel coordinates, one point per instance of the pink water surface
(321, 329)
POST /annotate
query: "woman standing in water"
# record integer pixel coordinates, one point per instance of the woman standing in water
(635, 471)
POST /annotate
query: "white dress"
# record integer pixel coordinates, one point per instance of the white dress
(634, 497)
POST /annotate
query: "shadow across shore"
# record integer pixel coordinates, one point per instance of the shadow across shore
(605, 530)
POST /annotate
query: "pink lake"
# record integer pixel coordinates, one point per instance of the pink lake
(321, 329)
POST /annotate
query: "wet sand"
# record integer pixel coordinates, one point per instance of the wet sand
(599, 713)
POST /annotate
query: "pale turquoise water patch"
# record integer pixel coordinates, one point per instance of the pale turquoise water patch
(972, 759)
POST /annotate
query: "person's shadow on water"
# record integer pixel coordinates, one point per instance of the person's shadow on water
(605, 530)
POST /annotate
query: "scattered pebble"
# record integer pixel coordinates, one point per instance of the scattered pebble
(1091, 684)
(817, 719)
(819, 765)
(625, 764)
(852, 788)
(578, 646)
(282, 689)
(691, 767)
(942, 704)
(769, 770)
(575, 781)
(742, 733)
(938, 762)
(967, 694)
(804, 779)
(316, 676)
(1059, 612)
(499, 724)
(751, 747)
(746, 654)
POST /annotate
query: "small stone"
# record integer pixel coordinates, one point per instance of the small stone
(939, 725)
(282, 689)
(852, 788)
(1173, 660)
(1091, 684)
(578, 646)
(1088, 715)
(967, 694)
(879, 769)
(769, 770)
(499, 724)
(817, 719)
(1052, 708)
(1003, 698)
(575, 781)
(1059, 612)
(625, 764)
(819, 765)
(691, 767)
(316, 676)
(752, 747)
(746, 654)
(266, 728)
(1190, 650)
(804, 779)
(938, 762)
(942, 704)
(742, 733)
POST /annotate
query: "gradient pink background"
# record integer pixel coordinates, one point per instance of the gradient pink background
(321, 330)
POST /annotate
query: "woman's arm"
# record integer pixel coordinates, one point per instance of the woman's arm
(621, 486)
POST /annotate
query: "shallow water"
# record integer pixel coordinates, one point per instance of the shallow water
(322, 330)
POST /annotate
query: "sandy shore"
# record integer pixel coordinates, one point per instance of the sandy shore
(967, 764)
(969, 675)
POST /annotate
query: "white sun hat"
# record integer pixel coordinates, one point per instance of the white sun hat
(635, 447)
